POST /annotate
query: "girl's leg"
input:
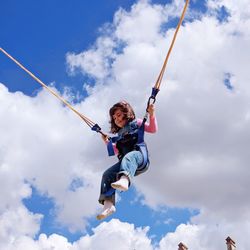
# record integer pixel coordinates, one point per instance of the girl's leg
(130, 162)
(107, 194)
(109, 176)
(107, 210)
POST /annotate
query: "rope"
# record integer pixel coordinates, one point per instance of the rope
(159, 79)
(90, 123)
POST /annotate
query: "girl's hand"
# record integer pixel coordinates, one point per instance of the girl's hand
(105, 138)
(151, 110)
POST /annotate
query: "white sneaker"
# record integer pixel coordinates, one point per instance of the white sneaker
(106, 212)
(121, 184)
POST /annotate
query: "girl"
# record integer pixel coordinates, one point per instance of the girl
(131, 151)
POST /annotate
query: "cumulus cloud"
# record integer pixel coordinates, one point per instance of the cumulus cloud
(113, 234)
(16, 223)
(93, 61)
(41, 147)
(207, 236)
(199, 157)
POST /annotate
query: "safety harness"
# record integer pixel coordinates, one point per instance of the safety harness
(130, 138)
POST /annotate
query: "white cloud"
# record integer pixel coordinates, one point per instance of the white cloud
(122, 235)
(42, 144)
(206, 236)
(94, 61)
(130, 26)
(240, 11)
(115, 234)
(15, 223)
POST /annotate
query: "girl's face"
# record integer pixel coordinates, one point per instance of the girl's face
(118, 118)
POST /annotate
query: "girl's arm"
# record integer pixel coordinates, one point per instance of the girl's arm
(150, 126)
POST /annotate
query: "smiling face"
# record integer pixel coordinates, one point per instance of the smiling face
(119, 118)
(120, 114)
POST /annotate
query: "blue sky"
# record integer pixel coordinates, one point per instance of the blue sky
(57, 172)
(48, 30)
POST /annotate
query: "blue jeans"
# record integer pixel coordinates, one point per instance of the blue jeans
(127, 166)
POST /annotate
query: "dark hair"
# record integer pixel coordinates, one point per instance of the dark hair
(126, 109)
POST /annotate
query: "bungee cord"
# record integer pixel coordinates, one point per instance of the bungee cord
(163, 69)
(90, 123)
(157, 85)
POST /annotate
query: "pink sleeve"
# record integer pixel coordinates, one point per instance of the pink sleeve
(150, 127)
